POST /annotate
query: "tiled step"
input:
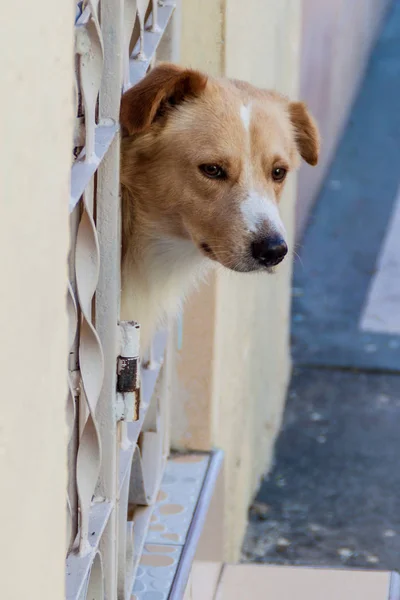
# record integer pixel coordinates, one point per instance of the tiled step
(213, 581)
(173, 527)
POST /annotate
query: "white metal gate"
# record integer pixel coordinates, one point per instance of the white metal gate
(117, 444)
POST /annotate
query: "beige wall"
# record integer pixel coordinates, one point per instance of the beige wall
(234, 364)
(36, 126)
(337, 36)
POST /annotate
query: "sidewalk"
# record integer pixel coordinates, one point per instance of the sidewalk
(213, 581)
(333, 497)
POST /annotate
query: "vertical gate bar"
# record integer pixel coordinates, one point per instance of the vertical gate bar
(108, 289)
(169, 49)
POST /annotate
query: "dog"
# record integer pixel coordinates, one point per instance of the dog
(203, 165)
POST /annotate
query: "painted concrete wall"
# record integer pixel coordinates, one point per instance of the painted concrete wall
(234, 363)
(337, 36)
(36, 131)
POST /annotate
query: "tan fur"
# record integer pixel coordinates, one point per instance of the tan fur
(173, 121)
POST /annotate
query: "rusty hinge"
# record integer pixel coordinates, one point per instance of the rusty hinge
(128, 372)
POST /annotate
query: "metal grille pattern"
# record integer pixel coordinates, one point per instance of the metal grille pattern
(118, 439)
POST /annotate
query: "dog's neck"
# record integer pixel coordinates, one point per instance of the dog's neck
(157, 274)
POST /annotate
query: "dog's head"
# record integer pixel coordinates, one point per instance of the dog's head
(207, 159)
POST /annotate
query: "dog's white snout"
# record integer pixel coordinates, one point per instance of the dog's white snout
(259, 211)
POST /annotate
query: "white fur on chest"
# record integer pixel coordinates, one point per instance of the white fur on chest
(155, 287)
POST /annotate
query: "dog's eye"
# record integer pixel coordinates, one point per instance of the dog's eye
(279, 174)
(213, 171)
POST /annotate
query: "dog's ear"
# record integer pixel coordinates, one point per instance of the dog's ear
(165, 85)
(306, 132)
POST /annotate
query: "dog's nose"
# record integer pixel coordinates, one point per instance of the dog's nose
(269, 251)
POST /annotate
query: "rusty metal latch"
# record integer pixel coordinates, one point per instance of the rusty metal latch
(128, 372)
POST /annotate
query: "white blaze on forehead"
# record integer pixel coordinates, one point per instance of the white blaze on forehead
(245, 115)
(257, 209)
